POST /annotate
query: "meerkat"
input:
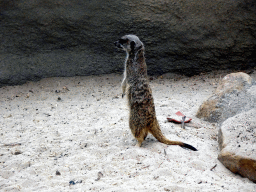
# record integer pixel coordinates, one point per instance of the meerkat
(142, 116)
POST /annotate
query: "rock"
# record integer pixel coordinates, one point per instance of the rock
(67, 38)
(234, 94)
(234, 81)
(237, 142)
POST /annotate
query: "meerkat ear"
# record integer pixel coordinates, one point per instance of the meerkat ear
(132, 44)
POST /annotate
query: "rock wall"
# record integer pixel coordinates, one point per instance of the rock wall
(43, 38)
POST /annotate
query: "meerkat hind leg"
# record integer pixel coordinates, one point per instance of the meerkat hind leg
(139, 143)
(141, 138)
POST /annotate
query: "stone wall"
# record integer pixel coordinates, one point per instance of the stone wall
(44, 38)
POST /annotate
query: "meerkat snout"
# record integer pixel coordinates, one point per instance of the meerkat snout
(117, 44)
(121, 43)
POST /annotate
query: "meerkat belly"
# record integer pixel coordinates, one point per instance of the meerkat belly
(142, 104)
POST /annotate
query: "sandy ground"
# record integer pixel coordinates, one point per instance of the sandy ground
(72, 134)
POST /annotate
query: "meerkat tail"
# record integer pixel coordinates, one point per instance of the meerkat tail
(161, 138)
(189, 147)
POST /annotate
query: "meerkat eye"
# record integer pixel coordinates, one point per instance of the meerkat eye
(133, 45)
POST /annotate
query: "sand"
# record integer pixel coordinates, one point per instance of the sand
(72, 134)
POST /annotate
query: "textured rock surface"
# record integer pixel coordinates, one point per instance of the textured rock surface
(43, 38)
(237, 141)
(234, 94)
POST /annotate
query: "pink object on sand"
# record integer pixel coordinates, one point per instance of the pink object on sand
(178, 121)
(179, 114)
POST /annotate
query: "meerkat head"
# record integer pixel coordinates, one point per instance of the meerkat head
(129, 43)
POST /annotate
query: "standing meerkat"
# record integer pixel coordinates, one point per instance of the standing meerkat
(142, 118)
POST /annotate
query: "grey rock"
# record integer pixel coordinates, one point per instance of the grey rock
(237, 141)
(234, 94)
(43, 38)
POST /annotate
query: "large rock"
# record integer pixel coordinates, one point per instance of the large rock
(237, 141)
(234, 94)
(42, 38)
